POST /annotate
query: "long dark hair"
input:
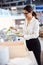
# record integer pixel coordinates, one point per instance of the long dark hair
(34, 14)
(28, 8)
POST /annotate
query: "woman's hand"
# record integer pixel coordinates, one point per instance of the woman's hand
(20, 35)
(14, 28)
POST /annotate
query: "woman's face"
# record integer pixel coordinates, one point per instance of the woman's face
(27, 14)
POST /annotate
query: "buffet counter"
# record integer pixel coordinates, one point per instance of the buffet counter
(12, 43)
(18, 51)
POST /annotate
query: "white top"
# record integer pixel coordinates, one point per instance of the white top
(31, 30)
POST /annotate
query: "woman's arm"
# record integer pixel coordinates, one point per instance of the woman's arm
(14, 28)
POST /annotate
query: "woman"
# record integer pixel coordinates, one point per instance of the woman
(31, 32)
